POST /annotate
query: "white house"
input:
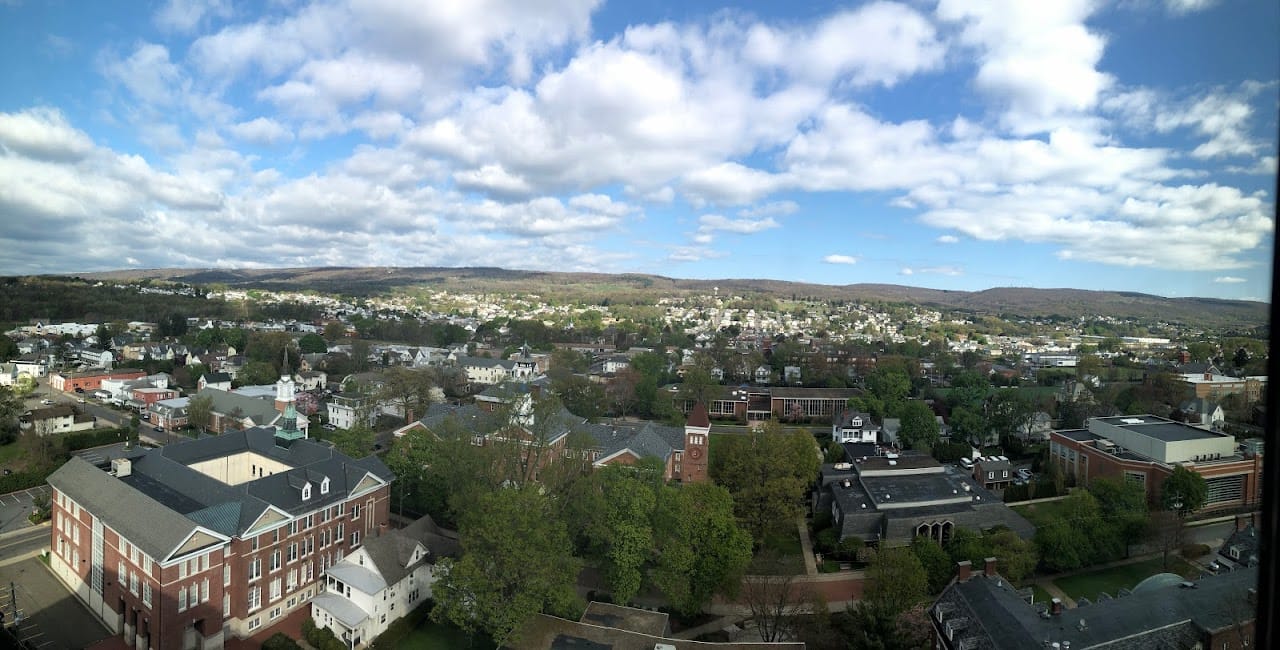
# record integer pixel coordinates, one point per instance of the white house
(763, 374)
(345, 410)
(381, 581)
(854, 427)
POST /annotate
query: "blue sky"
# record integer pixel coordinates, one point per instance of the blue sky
(1101, 145)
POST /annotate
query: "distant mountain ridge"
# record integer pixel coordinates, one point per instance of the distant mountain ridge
(1014, 301)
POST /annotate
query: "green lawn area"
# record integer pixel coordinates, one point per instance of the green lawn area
(1111, 580)
(419, 632)
(1037, 513)
(1041, 595)
(9, 453)
(785, 545)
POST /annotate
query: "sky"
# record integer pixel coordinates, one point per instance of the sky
(1123, 145)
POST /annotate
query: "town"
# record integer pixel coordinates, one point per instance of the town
(249, 467)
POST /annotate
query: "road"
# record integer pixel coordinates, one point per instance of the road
(29, 540)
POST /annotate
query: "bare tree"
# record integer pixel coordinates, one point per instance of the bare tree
(777, 602)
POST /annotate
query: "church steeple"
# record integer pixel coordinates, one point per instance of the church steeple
(287, 431)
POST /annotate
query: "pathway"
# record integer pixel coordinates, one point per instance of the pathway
(806, 549)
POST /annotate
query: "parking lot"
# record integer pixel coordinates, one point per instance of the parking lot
(52, 618)
(15, 506)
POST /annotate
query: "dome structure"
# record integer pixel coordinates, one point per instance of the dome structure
(1159, 581)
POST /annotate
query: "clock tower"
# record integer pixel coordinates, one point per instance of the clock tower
(693, 462)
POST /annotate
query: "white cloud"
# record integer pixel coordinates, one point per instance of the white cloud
(43, 133)
(1228, 279)
(709, 224)
(149, 75)
(948, 239)
(261, 130)
(1181, 7)
(1038, 60)
(840, 259)
(906, 270)
(184, 15)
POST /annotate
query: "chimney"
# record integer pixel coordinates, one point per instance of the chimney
(963, 570)
(382, 528)
(1055, 606)
(1242, 522)
(989, 567)
(1208, 376)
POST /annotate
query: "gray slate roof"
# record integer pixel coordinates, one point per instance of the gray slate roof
(162, 499)
(391, 552)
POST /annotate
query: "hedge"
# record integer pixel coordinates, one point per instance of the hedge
(22, 481)
(95, 438)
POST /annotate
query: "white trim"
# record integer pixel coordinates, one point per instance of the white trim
(251, 531)
(171, 559)
(616, 454)
(367, 474)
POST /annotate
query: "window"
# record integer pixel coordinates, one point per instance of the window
(133, 583)
(254, 543)
(991, 475)
(226, 604)
(275, 589)
(226, 575)
(275, 560)
(275, 613)
(355, 538)
(255, 600)
(204, 590)
(341, 533)
(324, 486)
(255, 568)
(306, 491)
(182, 599)
(292, 582)
(275, 536)
(293, 527)
(146, 594)
(291, 553)
(342, 508)
(255, 623)
(75, 534)
(146, 564)
(355, 511)
(204, 562)
(120, 571)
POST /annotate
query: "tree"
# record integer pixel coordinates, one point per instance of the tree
(1184, 491)
(1124, 505)
(356, 442)
(891, 386)
(767, 472)
(583, 397)
(969, 425)
(334, 330)
(408, 389)
(1078, 536)
(200, 412)
(517, 561)
(621, 391)
(896, 580)
(312, 344)
(919, 427)
(257, 373)
(775, 599)
(699, 386)
(935, 561)
(622, 534)
(700, 551)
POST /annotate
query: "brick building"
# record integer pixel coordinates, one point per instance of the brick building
(197, 543)
(89, 381)
(1144, 449)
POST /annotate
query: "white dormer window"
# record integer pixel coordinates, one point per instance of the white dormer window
(324, 486)
(306, 491)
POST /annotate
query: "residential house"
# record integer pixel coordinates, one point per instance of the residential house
(382, 581)
(169, 414)
(218, 380)
(54, 420)
(1036, 428)
(1203, 412)
(853, 426)
(764, 375)
(346, 410)
(993, 472)
(1243, 547)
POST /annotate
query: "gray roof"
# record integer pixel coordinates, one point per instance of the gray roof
(392, 551)
(1165, 615)
(359, 577)
(647, 439)
(262, 411)
(170, 498)
(342, 609)
(144, 521)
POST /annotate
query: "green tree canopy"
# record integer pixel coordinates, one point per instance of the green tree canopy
(700, 550)
(312, 344)
(767, 471)
(1184, 491)
(517, 561)
(896, 580)
(200, 412)
(919, 429)
(1124, 506)
(891, 386)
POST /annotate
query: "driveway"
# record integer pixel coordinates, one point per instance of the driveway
(52, 618)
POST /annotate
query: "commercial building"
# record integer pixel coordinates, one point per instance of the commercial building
(886, 498)
(1144, 449)
(204, 541)
(980, 609)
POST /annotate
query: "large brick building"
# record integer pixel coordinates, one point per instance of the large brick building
(196, 543)
(1144, 449)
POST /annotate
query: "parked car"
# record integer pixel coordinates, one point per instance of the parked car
(966, 463)
(328, 427)
(1024, 474)
(47, 402)
(158, 429)
(79, 389)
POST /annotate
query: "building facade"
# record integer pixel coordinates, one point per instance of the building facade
(193, 544)
(1144, 450)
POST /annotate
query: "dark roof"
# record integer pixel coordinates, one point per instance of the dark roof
(698, 416)
(216, 377)
(546, 632)
(392, 551)
(1079, 435)
(173, 496)
(1167, 614)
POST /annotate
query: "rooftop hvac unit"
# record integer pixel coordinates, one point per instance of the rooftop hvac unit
(121, 467)
(843, 466)
(663, 646)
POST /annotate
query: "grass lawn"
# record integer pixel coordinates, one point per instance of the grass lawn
(1039, 513)
(10, 453)
(1111, 580)
(1041, 595)
(785, 545)
(418, 631)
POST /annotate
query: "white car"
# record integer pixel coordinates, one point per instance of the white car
(47, 402)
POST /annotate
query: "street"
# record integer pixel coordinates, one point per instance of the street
(29, 540)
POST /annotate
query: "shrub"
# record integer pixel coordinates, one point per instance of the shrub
(1017, 493)
(279, 641)
(948, 452)
(829, 566)
(825, 540)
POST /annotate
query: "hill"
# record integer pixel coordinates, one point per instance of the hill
(632, 287)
